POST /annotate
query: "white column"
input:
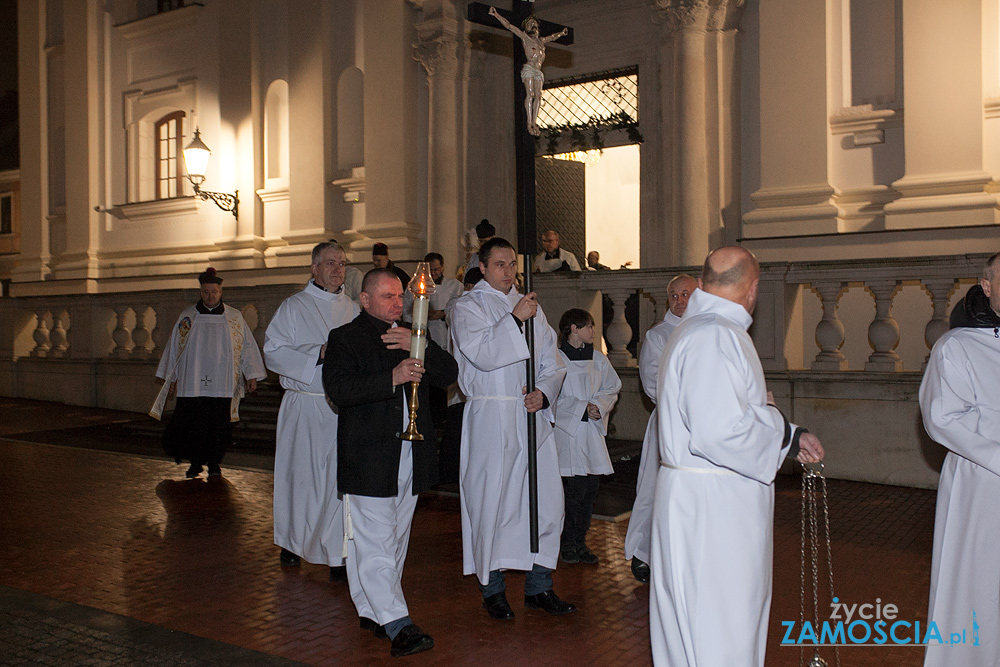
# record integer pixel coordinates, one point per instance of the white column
(439, 52)
(391, 110)
(697, 89)
(946, 183)
(795, 195)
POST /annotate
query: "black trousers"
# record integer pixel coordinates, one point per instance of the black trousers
(199, 430)
(580, 492)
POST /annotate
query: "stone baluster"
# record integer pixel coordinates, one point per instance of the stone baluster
(58, 337)
(41, 335)
(883, 332)
(830, 330)
(660, 301)
(619, 333)
(940, 290)
(140, 335)
(121, 335)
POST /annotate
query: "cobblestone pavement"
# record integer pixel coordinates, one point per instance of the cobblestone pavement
(131, 537)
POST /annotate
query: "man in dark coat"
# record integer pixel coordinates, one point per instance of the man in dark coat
(367, 374)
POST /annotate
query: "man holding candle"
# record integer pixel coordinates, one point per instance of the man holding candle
(367, 374)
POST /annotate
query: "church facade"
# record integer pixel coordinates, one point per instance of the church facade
(853, 145)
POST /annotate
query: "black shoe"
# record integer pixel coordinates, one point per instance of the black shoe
(640, 570)
(498, 607)
(568, 554)
(410, 640)
(214, 470)
(288, 559)
(373, 627)
(338, 573)
(193, 471)
(549, 602)
(586, 555)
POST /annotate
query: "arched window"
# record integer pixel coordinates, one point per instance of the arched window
(168, 133)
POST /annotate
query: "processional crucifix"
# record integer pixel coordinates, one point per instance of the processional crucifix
(528, 81)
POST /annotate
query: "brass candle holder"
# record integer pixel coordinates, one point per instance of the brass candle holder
(421, 286)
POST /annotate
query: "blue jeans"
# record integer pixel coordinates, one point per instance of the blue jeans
(537, 580)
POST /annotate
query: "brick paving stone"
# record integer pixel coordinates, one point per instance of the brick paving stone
(130, 536)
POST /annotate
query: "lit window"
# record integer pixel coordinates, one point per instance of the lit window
(168, 133)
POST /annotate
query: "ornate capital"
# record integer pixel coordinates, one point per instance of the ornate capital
(679, 15)
(439, 57)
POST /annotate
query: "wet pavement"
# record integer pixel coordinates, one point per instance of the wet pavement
(114, 558)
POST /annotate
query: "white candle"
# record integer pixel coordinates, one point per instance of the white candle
(418, 339)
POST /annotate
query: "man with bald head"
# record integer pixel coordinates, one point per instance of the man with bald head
(679, 290)
(308, 517)
(722, 441)
(367, 374)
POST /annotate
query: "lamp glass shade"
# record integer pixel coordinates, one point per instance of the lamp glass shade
(422, 283)
(196, 156)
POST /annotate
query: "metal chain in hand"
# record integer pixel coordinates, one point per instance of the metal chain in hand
(813, 484)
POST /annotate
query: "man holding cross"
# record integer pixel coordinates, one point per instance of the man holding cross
(487, 330)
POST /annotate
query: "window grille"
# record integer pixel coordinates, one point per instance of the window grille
(604, 98)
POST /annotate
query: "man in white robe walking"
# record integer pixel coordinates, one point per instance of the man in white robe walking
(487, 332)
(962, 412)
(721, 443)
(679, 290)
(308, 515)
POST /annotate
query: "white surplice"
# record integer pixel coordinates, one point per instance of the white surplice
(580, 444)
(491, 351)
(962, 412)
(713, 514)
(308, 517)
(209, 355)
(639, 524)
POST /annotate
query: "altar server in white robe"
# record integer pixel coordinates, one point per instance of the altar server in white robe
(721, 444)
(308, 515)
(491, 351)
(447, 290)
(960, 402)
(679, 289)
(583, 409)
(210, 357)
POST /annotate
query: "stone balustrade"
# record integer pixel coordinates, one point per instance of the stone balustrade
(781, 320)
(842, 344)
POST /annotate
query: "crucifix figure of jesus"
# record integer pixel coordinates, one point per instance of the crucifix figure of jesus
(531, 72)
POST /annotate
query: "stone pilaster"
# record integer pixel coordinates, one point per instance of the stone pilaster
(440, 51)
(699, 103)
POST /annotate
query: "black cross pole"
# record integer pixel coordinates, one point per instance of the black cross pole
(525, 188)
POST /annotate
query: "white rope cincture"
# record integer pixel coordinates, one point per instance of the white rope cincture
(703, 471)
(348, 525)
